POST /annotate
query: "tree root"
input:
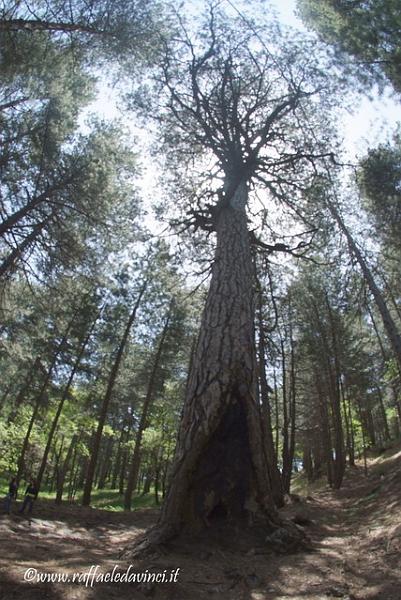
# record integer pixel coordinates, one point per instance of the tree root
(285, 538)
(150, 543)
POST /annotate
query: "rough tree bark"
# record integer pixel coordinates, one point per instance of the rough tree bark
(220, 470)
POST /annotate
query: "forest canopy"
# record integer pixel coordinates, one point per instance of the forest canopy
(195, 341)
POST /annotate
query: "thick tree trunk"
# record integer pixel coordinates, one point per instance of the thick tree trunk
(220, 467)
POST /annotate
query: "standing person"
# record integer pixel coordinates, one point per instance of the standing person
(31, 493)
(12, 495)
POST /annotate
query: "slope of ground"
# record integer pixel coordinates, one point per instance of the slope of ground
(354, 550)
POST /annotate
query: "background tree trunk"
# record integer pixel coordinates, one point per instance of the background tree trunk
(106, 400)
(136, 457)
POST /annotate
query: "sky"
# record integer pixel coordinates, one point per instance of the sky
(370, 122)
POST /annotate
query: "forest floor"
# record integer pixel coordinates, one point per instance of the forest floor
(354, 551)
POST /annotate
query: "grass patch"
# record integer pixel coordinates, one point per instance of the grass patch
(105, 499)
(301, 486)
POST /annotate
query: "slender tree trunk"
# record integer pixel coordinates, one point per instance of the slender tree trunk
(348, 426)
(104, 467)
(325, 433)
(117, 462)
(276, 413)
(275, 477)
(14, 103)
(56, 471)
(106, 400)
(148, 482)
(21, 460)
(385, 427)
(286, 472)
(364, 448)
(4, 397)
(124, 461)
(352, 431)
(39, 399)
(388, 322)
(24, 389)
(134, 469)
(15, 255)
(62, 401)
(307, 460)
(292, 413)
(74, 475)
(335, 382)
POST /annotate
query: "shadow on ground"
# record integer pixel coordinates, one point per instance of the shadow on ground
(353, 552)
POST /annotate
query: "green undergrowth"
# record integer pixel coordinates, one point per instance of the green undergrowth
(301, 486)
(104, 499)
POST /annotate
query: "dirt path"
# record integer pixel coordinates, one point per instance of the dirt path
(354, 551)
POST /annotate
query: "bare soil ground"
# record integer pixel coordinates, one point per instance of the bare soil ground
(354, 550)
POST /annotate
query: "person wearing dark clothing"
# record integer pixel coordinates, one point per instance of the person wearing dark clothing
(12, 494)
(30, 494)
